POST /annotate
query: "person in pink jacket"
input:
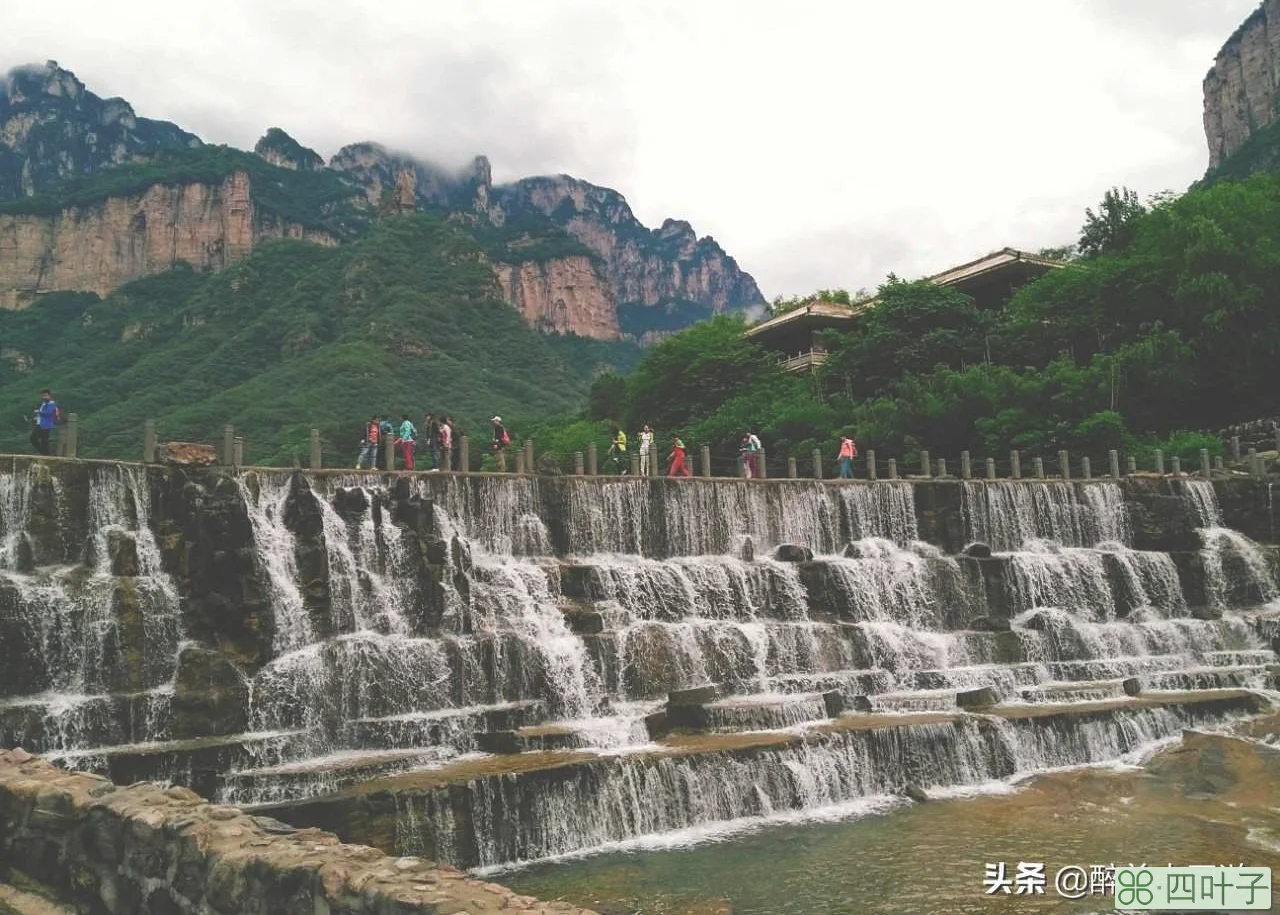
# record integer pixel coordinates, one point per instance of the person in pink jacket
(848, 451)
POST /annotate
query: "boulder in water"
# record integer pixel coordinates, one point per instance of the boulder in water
(1132, 686)
(1273, 675)
(978, 550)
(695, 695)
(211, 695)
(1038, 622)
(851, 551)
(972, 699)
(354, 501)
(188, 454)
(793, 552)
(584, 622)
(990, 624)
(657, 725)
(747, 552)
(122, 550)
(834, 701)
(862, 704)
(1206, 612)
(915, 793)
(499, 742)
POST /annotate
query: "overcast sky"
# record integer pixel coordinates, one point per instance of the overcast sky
(824, 143)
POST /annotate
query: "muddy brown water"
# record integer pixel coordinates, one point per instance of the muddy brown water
(1207, 800)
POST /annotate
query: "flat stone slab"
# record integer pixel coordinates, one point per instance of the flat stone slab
(981, 698)
(696, 695)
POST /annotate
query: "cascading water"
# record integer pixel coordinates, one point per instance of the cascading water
(1231, 560)
(416, 620)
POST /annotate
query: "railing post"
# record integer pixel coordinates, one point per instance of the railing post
(1278, 439)
(1086, 468)
(389, 451)
(1205, 469)
(942, 467)
(1113, 459)
(1175, 464)
(817, 464)
(1064, 465)
(966, 470)
(893, 468)
(1132, 465)
(762, 465)
(464, 454)
(635, 464)
(1217, 463)
(1235, 449)
(991, 468)
(792, 473)
(1159, 461)
(529, 465)
(228, 444)
(520, 461)
(73, 430)
(593, 463)
(315, 449)
(653, 460)
(1254, 467)
(1038, 464)
(871, 464)
(237, 452)
(926, 467)
(706, 460)
(149, 442)
(1015, 465)
(579, 464)
(446, 460)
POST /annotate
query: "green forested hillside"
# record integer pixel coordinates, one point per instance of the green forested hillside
(406, 318)
(1170, 322)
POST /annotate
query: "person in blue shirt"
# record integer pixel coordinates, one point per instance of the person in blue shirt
(44, 419)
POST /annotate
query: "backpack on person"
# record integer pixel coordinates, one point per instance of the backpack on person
(506, 436)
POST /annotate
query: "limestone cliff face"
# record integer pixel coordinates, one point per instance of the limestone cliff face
(52, 129)
(564, 295)
(655, 274)
(96, 248)
(1242, 90)
(282, 150)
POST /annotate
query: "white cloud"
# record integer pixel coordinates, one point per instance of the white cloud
(823, 142)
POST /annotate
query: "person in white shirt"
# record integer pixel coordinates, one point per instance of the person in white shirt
(646, 445)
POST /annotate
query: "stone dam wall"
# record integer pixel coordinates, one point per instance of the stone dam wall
(491, 669)
(91, 846)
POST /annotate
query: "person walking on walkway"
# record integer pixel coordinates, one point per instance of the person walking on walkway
(751, 448)
(678, 466)
(368, 459)
(618, 451)
(407, 439)
(431, 435)
(848, 451)
(43, 420)
(501, 439)
(646, 446)
(445, 445)
(455, 437)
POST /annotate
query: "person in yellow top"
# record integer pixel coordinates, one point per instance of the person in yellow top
(618, 451)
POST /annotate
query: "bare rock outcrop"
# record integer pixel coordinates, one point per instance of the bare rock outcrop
(564, 295)
(98, 247)
(52, 128)
(1242, 90)
(662, 278)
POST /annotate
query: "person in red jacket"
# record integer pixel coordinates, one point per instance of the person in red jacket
(678, 466)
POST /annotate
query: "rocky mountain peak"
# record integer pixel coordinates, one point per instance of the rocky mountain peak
(1241, 93)
(52, 129)
(278, 148)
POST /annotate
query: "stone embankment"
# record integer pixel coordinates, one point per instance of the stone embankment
(147, 850)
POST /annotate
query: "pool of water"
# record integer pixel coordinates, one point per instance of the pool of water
(1212, 806)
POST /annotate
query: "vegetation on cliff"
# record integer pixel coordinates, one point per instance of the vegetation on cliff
(405, 319)
(312, 199)
(1169, 323)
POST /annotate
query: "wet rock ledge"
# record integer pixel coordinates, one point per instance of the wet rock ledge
(153, 851)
